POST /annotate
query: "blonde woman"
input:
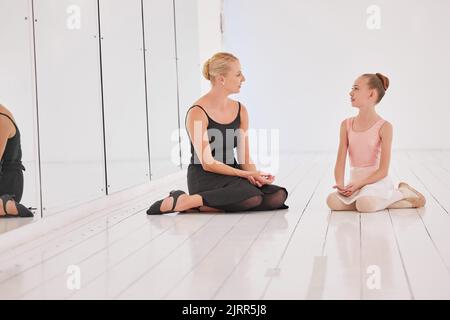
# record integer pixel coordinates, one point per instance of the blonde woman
(216, 125)
(367, 138)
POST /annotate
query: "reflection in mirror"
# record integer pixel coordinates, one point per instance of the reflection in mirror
(189, 70)
(161, 87)
(69, 103)
(17, 95)
(123, 77)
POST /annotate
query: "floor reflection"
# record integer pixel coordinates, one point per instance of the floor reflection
(9, 224)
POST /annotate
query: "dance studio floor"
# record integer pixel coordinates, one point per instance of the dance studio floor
(305, 252)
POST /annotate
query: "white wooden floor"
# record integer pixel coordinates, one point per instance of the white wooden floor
(305, 252)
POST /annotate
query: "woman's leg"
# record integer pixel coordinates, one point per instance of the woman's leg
(187, 202)
(202, 209)
(244, 205)
(10, 207)
(184, 202)
(272, 201)
(11, 182)
(209, 209)
(335, 204)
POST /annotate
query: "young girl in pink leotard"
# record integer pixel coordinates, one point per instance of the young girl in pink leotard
(368, 138)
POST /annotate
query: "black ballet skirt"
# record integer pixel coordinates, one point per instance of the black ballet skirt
(218, 190)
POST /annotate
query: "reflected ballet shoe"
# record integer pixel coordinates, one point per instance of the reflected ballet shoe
(418, 201)
(155, 208)
(22, 211)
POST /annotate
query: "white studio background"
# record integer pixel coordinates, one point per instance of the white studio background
(209, 33)
(300, 59)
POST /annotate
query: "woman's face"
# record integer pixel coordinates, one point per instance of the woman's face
(361, 95)
(233, 80)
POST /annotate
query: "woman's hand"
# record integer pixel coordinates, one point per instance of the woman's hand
(260, 178)
(265, 179)
(253, 181)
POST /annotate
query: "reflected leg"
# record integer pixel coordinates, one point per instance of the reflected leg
(10, 208)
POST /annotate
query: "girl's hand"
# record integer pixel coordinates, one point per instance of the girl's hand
(351, 188)
(340, 189)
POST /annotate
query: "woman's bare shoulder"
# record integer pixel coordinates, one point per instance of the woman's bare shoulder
(4, 110)
(195, 113)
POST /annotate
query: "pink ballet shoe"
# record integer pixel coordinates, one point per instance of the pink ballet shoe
(416, 202)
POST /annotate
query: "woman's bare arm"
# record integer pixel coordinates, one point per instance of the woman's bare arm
(243, 147)
(4, 133)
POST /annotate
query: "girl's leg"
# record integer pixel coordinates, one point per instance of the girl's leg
(373, 204)
(411, 198)
(402, 204)
(335, 204)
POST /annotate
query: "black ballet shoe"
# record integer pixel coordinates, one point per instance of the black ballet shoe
(23, 212)
(156, 207)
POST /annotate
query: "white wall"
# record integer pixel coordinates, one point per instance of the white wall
(69, 104)
(124, 100)
(301, 58)
(162, 88)
(209, 33)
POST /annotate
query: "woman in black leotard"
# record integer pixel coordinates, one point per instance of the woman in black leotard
(11, 175)
(216, 125)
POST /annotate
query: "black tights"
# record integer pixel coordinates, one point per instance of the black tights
(258, 203)
(11, 182)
